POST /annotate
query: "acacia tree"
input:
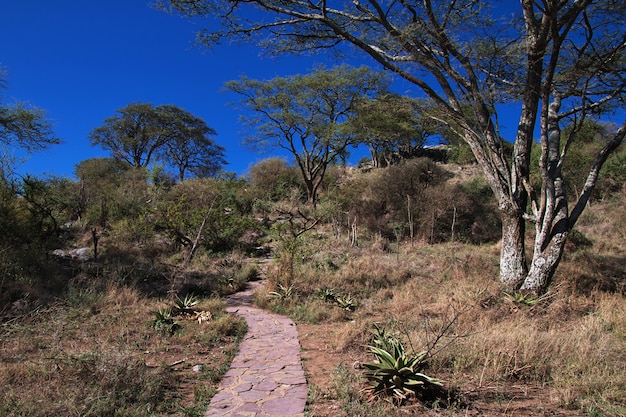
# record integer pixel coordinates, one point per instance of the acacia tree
(22, 126)
(307, 115)
(559, 61)
(140, 133)
(392, 127)
(190, 147)
(132, 135)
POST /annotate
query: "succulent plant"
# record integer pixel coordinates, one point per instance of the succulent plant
(283, 292)
(395, 372)
(185, 305)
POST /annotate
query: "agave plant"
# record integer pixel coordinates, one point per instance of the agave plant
(327, 294)
(526, 299)
(346, 302)
(164, 322)
(395, 372)
(283, 292)
(186, 305)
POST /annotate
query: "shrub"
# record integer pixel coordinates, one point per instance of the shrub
(273, 179)
(384, 197)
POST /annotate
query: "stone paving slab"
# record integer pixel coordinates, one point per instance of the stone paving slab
(266, 377)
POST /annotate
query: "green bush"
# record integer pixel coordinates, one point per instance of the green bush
(384, 197)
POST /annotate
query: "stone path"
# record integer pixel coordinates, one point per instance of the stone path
(266, 377)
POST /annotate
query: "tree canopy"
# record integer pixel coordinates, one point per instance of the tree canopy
(24, 126)
(393, 127)
(190, 147)
(559, 61)
(307, 115)
(141, 133)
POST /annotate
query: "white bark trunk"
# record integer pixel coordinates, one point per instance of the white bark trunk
(543, 266)
(513, 267)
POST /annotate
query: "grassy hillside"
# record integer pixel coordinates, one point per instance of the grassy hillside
(107, 337)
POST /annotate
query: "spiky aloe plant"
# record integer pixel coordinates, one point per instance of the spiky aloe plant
(283, 292)
(395, 372)
(186, 305)
(327, 294)
(346, 302)
(164, 322)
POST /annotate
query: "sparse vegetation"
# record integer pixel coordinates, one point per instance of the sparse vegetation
(428, 278)
(101, 357)
(564, 349)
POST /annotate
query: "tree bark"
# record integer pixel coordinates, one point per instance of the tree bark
(513, 266)
(544, 265)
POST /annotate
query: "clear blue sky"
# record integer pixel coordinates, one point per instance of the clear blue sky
(81, 61)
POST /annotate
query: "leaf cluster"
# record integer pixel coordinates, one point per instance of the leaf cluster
(25, 126)
(396, 372)
(345, 302)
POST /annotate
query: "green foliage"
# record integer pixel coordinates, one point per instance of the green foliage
(248, 272)
(24, 126)
(307, 115)
(189, 147)
(380, 199)
(395, 372)
(345, 302)
(527, 299)
(216, 211)
(613, 173)
(461, 154)
(164, 323)
(235, 277)
(140, 133)
(392, 128)
(273, 179)
(586, 140)
(186, 305)
(283, 292)
(49, 202)
(111, 191)
(327, 295)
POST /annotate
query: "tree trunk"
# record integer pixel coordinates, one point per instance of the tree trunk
(513, 267)
(543, 266)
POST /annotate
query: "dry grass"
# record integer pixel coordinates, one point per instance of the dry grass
(96, 353)
(565, 354)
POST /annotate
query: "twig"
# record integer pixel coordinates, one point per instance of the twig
(178, 362)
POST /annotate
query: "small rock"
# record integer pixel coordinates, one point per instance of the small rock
(198, 368)
(82, 254)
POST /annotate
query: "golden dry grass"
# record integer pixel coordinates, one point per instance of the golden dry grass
(565, 353)
(96, 353)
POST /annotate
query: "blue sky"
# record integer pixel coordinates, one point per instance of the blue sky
(81, 61)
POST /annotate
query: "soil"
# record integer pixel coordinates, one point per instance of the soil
(321, 360)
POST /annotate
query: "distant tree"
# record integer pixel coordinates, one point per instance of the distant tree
(22, 126)
(141, 133)
(133, 135)
(189, 147)
(307, 115)
(273, 178)
(557, 61)
(392, 128)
